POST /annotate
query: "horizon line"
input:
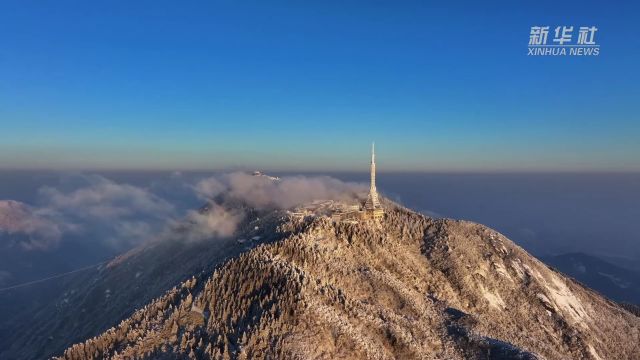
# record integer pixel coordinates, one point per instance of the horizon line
(355, 170)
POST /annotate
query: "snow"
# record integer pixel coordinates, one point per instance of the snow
(518, 268)
(500, 268)
(544, 299)
(594, 352)
(493, 299)
(564, 298)
(561, 297)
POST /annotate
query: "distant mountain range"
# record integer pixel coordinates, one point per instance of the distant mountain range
(616, 282)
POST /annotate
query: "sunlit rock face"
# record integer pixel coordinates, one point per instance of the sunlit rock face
(404, 287)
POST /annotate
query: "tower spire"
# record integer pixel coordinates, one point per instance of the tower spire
(373, 152)
(372, 188)
(373, 203)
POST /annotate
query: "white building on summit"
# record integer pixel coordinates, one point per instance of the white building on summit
(372, 208)
(350, 211)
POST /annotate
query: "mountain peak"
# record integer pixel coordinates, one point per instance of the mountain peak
(407, 286)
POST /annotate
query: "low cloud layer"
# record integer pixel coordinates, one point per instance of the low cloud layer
(118, 214)
(104, 199)
(263, 192)
(123, 215)
(95, 209)
(217, 222)
(31, 228)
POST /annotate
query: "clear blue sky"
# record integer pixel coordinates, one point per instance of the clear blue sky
(306, 85)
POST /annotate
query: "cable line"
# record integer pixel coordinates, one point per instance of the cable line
(53, 277)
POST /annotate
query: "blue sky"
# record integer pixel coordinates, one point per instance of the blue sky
(308, 85)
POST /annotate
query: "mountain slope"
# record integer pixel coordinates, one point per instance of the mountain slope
(92, 301)
(410, 287)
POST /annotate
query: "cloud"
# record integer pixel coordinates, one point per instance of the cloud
(264, 192)
(177, 189)
(104, 199)
(94, 209)
(209, 187)
(120, 215)
(259, 192)
(29, 227)
(218, 221)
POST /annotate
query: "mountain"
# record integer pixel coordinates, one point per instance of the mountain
(629, 263)
(406, 287)
(613, 281)
(79, 306)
